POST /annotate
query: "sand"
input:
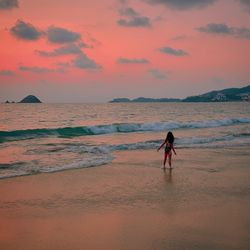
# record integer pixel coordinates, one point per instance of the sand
(203, 203)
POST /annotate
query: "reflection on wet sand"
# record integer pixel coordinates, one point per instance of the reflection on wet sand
(168, 175)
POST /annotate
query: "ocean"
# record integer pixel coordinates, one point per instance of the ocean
(42, 138)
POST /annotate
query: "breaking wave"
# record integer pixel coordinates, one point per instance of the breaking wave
(115, 128)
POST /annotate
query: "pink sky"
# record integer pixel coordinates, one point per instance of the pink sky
(94, 51)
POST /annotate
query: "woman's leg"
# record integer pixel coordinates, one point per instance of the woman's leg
(165, 159)
(169, 160)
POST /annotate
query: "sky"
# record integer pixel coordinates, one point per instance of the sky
(94, 51)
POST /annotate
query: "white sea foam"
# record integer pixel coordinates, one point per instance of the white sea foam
(179, 142)
(116, 128)
(96, 155)
(94, 161)
(30, 169)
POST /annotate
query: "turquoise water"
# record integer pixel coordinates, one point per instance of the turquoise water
(36, 138)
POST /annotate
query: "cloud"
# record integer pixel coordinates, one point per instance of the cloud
(135, 22)
(178, 38)
(123, 1)
(63, 64)
(61, 35)
(183, 4)
(158, 74)
(7, 72)
(38, 70)
(25, 31)
(8, 4)
(133, 18)
(82, 61)
(245, 3)
(84, 45)
(174, 52)
(42, 70)
(69, 49)
(123, 60)
(224, 29)
(130, 12)
(216, 28)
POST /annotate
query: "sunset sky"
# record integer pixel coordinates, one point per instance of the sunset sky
(94, 51)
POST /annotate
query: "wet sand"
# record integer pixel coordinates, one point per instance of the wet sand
(203, 203)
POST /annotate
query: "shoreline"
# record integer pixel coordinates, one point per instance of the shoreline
(202, 203)
(120, 152)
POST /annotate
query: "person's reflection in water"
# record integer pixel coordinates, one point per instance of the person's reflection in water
(168, 175)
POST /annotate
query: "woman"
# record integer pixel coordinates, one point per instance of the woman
(169, 141)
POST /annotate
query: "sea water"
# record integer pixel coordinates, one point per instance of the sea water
(37, 138)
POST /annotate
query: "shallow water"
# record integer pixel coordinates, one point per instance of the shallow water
(37, 138)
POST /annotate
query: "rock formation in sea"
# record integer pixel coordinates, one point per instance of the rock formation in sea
(30, 99)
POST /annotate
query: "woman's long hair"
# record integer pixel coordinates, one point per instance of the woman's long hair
(170, 137)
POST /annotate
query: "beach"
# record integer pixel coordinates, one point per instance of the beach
(131, 203)
(95, 96)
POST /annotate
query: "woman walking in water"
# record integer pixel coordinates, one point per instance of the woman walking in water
(169, 141)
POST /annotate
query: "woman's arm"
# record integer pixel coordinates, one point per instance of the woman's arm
(172, 146)
(161, 145)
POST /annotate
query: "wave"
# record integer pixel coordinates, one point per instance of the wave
(115, 128)
(235, 139)
(96, 155)
(21, 169)
(11, 165)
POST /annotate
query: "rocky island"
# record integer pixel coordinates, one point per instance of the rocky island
(30, 99)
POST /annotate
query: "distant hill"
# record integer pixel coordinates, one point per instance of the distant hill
(225, 95)
(121, 100)
(144, 99)
(30, 99)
